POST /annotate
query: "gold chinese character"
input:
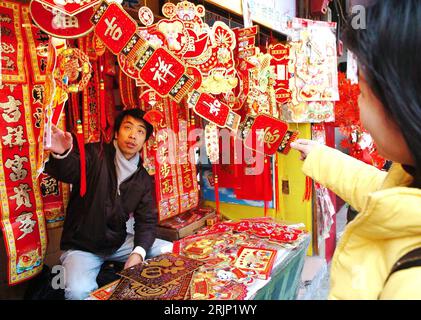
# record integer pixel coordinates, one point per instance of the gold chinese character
(49, 186)
(165, 170)
(22, 196)
(17, 134)
(113, 30)
(19, 173)
(186, 168)
(162, 136)
(38, 116)
(11, 111)
(7, 48)
(167, 188)
(265, 136)
(26, 224)
(163, 154)
(187, 182)
(38, 93)
(214, 107)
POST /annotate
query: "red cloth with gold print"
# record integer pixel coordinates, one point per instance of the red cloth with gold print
(22, 219)
(11, 42)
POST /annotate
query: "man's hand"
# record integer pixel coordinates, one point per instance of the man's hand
(60, 141)
(304, 146)
(133, 260)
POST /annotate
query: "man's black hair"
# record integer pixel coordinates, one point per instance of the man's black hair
(137, 114)
(389, 55)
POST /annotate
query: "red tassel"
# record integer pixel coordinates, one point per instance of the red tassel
(308, 190)
(266, 178)
(276, 173)
(81, 144)
(102, 95)
(216, 186)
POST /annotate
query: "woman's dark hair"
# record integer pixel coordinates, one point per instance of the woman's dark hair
(389, 54)
(135, 113)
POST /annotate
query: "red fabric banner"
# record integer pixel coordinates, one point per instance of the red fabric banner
(37, 47)
(91, 98)
(11, 42)
(22, 219)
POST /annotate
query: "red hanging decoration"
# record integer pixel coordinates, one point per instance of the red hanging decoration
(266, 178)
(81, 145)
(276, 173)
(308, 189)
(216, 186)
(347, 115)
(102, 94)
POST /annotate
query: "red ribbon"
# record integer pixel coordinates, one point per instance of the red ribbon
(216, 186)
(277, 206)
(81, 145)
(102, 94)
(308, 190)
(266, 179)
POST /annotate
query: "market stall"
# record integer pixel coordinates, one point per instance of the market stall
(249, 259)
(225, 105)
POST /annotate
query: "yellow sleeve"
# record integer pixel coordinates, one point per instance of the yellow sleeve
(403, 285)
(349, 178)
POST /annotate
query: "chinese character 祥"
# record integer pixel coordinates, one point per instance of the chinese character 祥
(113, 30)
(19, 173)
(22, 196)
(162, 70)
(26, 224)
(49, 186)
(17, 134)
(163, 154)
(11, 111)
(214, 108)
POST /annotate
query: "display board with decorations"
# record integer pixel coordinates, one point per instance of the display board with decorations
(228, 261)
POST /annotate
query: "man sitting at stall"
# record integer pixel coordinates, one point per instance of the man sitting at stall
(118, 186)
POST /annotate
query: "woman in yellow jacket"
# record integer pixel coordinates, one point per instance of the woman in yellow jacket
(388, 226)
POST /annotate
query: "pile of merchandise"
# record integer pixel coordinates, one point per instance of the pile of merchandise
(227, 261)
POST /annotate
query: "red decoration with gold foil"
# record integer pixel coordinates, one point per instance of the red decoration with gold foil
(347, 115)
(114, 26)
(266, 134)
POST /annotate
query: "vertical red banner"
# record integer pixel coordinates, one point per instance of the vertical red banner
(22, 219)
